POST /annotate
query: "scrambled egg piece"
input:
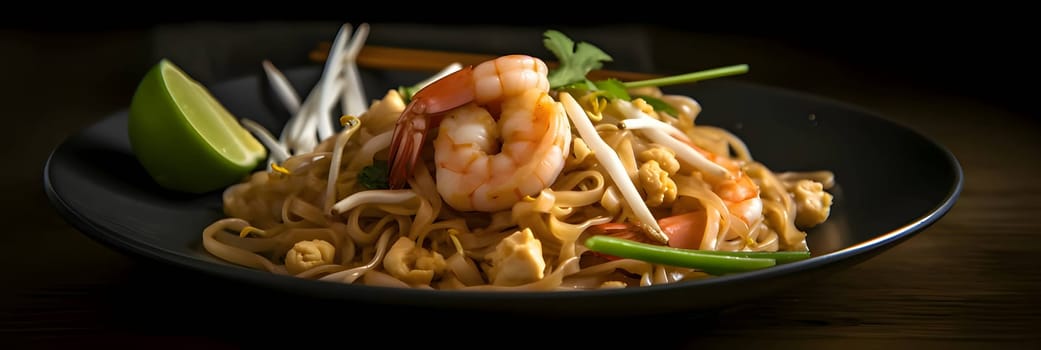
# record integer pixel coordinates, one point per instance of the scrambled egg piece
(657, 184)
(517, 260)
(306, 255)
(412, 264)
(665, 157)
(813, 204)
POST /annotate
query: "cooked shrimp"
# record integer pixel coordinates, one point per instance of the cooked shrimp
(501, 136)
(738, 191)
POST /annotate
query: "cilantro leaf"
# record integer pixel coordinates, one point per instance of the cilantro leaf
(374, 177)
(609, 88)
(613, 88)
(575, 60)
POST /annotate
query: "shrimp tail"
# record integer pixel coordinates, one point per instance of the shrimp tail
(423, 113)
(405, 147)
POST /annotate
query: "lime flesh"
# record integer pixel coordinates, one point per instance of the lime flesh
(184, 137)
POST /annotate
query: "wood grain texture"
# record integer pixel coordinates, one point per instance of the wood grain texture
(971, 281)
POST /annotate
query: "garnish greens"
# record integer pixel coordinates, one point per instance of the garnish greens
(576, 61)
(690, 77)
(714, 262)
(374, 177)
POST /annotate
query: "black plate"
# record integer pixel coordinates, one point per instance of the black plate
(892, 183)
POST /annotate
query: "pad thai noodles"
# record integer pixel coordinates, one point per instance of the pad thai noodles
(507, 175)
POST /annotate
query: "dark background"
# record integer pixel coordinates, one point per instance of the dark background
(978, 49)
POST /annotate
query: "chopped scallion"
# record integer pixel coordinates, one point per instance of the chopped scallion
(713, 263)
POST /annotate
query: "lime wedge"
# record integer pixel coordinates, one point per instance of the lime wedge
(184, 137)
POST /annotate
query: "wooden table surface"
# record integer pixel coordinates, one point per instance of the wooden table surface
(972, 280)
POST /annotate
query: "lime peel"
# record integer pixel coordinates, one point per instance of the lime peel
(184, 137)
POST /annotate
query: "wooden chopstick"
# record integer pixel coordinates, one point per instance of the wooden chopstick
(397, 58)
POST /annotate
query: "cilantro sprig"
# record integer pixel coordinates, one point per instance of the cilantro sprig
(577, 60)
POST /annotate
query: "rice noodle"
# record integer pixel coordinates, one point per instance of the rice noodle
(314, 190)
